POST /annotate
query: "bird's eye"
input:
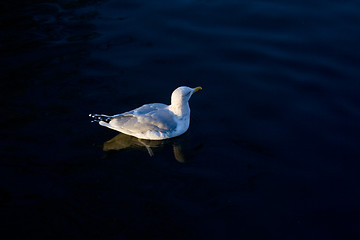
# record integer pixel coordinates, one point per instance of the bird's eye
(187, 94)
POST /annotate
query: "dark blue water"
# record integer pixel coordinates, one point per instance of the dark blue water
(273, 147)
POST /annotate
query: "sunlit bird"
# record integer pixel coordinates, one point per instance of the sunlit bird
(154, 121)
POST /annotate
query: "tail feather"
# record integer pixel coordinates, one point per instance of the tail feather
(100, 117)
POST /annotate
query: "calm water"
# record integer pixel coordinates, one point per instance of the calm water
(273, 147)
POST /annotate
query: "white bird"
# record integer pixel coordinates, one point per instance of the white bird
(154, 121)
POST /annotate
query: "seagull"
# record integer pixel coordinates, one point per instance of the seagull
(154, 121)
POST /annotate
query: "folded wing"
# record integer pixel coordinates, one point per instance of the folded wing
(145, 118)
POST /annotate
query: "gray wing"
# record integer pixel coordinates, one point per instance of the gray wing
(144, 119)
(144, 109)
(147, 108)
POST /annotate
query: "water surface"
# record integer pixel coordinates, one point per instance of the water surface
(273, 147)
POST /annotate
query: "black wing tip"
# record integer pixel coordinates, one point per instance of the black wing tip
(100, 117)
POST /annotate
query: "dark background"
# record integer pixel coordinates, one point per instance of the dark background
(273, 147)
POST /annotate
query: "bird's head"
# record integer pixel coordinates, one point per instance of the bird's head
(182, 95)
(180, 100)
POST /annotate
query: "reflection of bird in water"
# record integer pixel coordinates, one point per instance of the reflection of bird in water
(155, 121)
(122, 141)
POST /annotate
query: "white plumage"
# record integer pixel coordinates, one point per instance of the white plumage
(155, 121)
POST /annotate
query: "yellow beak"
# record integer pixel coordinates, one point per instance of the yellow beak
(197, 89)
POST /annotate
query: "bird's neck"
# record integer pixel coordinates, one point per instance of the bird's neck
(180, 109)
